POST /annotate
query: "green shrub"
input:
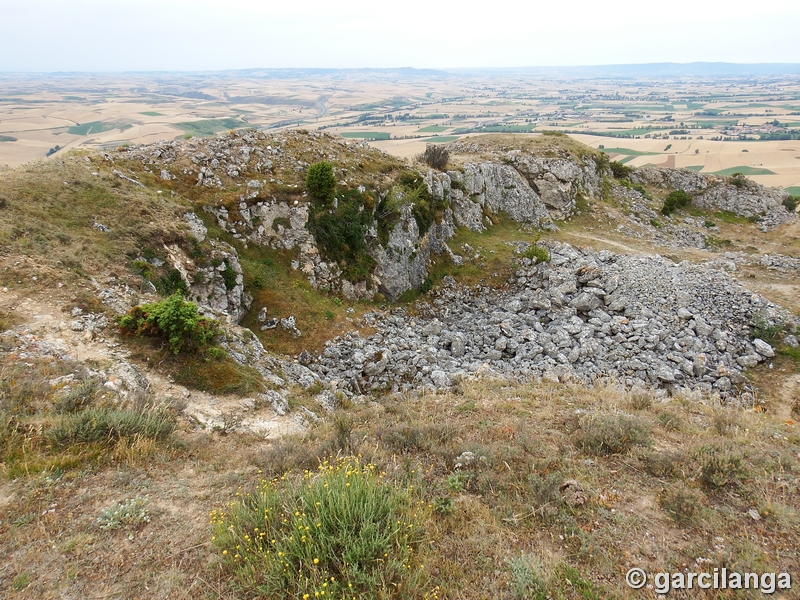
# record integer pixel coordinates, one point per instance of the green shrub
(171, 283)
(105, 424)
(618, 170)
(611, 433)
(320, 181)
(675, 200)
(173, 318)
(791, 202)
(341, 231)
(229, 277)
(536, 253)
(340, 530)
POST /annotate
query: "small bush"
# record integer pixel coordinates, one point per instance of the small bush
(340, 530)
(663, 465)
(173, 318)
(435, 156)
(611, 434)
(104, 424)
(738, 180)
(536, 253)
(77, 398)
(791, 202)
(681, 503)
(725, 421)
(619, 170)
(320, 181)
(675, 200)
(128, 515)
(719, 466)
(170, 283)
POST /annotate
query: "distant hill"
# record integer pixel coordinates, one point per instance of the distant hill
(667, 69)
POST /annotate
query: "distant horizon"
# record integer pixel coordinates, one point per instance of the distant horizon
(792, 68)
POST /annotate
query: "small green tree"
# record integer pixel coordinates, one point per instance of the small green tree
(320, 181)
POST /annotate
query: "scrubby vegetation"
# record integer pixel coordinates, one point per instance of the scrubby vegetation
(435, 156)
(339, 530)
(341, 232)
(675, 200)
(619, 170)
(174, 319)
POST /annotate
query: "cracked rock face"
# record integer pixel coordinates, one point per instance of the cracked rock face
(585, 315)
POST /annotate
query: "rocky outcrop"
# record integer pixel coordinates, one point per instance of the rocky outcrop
(644, 321)
(526, 188)
(740, 196)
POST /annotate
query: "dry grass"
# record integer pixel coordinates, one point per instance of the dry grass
(501, 523)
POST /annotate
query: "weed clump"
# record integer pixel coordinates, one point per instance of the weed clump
(719, 466)
(128, 515)
(738, 180)
(681, 503)
(103, 424)
(173, 318)
(338, 531)
(611, 434)
(537, 254)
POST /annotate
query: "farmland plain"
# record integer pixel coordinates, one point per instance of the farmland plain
(713, 123)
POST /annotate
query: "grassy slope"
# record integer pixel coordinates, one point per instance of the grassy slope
(497, 528)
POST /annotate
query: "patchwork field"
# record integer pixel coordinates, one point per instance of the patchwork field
(728, 124)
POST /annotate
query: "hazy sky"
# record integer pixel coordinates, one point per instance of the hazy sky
(118, 35)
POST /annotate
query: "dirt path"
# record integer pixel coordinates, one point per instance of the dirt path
(49, 323)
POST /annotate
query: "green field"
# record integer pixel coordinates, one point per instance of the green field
(628, 152)
(794, 190)
(96, 127)
(499, 129)
(151, 113)
(744, 171)
(696, 168)
(720, 123)
(209, 127)
(441, 139)
(433, 129)
(366, 135)
(7, 138)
